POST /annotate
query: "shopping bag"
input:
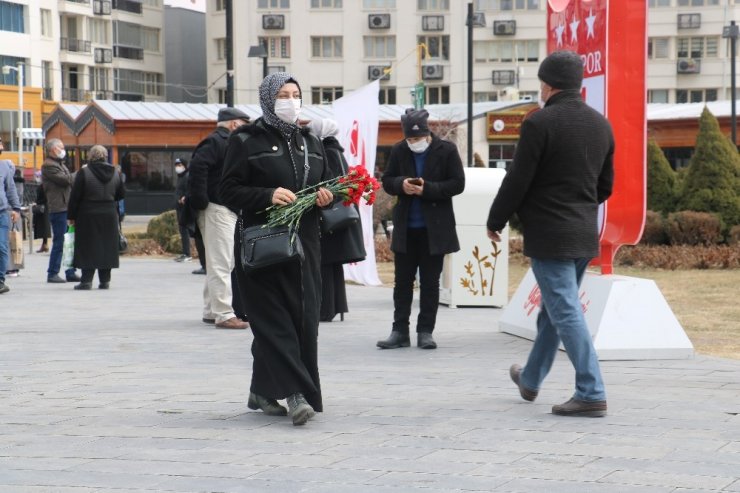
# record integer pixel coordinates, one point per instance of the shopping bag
(68, 250)
(16, 246)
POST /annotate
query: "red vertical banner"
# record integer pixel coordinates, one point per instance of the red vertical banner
(611, 37)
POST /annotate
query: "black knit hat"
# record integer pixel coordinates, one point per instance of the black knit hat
(562, 70)
(414, 123)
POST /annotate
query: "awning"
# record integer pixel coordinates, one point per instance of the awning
(33, 134)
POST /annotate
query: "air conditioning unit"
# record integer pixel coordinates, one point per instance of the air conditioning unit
(688, 66)
(433, 23)
(432, 72)
(375, 72)
(504, 28)
(101, 7)
(689, 21)
(379, 21)
(503, 77)
(103, 55)
(479, 19)
(273, 21)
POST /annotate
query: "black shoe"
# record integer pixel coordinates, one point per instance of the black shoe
(424, 340)
(84, 286)
(104, 285)
(515, 373)
(395, 340)
(74, 278)
(200, 271)
(55, 279)
(268, 406)
(300, 410)
(3, 288)
(574, 407)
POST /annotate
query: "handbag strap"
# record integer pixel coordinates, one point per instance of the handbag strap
(306, 166)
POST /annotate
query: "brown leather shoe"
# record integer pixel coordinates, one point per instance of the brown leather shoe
(574, 407)
(232, 323)
(527, 394)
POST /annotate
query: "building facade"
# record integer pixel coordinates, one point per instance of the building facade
(336, 46)
(185, 55)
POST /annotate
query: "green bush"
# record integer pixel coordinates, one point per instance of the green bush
(661, 181)
(693, 228)
(162, 228)
(655, 229)
(712, 182)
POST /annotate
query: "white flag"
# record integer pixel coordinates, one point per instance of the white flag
(357, 116)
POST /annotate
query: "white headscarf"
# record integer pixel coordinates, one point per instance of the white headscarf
(324, 128)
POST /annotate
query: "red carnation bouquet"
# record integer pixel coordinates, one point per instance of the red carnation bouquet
(356, 185)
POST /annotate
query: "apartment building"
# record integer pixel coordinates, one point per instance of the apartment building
(80, 50)
(336, 46)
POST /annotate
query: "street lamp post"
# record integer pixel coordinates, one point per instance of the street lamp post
(259, 51)
(19, 69)
(731, 32)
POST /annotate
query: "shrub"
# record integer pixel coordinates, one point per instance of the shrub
(655, 230)
(693, 228)
(679, 257)
(661, 181)
(382, 208)
(163, 227)
(733, 238)
(383, 251)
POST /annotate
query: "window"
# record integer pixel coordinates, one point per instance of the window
(149, 170)
(482, 97)
(273, 4)
(697, 47)
(507, 5)
(221, 96)
(438, 47)
(98, 31)
(689, 21)
(324, 95)
(378, 4)
(153, 3)
(658, 96)
(152, 84)
(657, 48)
(99, 79)
(11, 79)
(277, 46)
(697, 3)
(46, 23)
(11, 17)
(501, 155)
(150, 38)
(326, 46)
(380, 46)
(326, 4)
(46, 80)
(438, 95)
(659, 3)
(8, 124)
(433, 4)
(127, 34)
(695, 95)
(387, 95)
(221, 49)
(506, 51)
(220, 5)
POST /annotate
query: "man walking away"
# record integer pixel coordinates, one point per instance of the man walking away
(10, 209)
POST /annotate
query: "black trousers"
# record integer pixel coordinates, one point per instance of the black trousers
(200, 247)
(417, 257)
(88, 274)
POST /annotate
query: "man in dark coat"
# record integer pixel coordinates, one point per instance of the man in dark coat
(216, 222)
(425, 172)
(562, 171)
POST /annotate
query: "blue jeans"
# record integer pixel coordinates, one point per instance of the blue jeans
(4, 245)
(58, 222)
(561, 318)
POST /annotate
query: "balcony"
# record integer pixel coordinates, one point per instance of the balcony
(83, 2)
(74, 45)
(128, 6)
(74, 95)
(102, 94)
(128, 52)
(47, 94)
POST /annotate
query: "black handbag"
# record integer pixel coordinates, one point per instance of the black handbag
(263, 246)
(338, 217)
(122, 242)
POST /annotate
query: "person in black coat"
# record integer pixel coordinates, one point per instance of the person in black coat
(424, 172)
(41, 225)
(337, 247)
(93, 210)
(184, 217)
(265, 165)
(562, 170)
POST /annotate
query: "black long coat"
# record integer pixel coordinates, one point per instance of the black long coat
(93, 205)
(41, 225)
(444, 178)
(282, 302)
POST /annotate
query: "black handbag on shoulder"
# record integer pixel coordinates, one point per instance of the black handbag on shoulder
(338, 217)
(264, 246)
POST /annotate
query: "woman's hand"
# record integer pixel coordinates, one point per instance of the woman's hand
(71, 222)
(282, 196)
(324, 197)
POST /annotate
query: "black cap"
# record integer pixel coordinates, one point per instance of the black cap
(414, 123)
(562, 70)
(228, 114)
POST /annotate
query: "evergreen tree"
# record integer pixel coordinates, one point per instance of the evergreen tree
(712, 183)
(661, 181)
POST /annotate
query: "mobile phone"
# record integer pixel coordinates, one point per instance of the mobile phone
(415, 181)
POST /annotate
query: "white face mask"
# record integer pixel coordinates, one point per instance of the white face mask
(62, 154)
(179, 170)
(418, 147)
(288, 109)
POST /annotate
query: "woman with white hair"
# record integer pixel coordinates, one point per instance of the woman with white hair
(93, 210)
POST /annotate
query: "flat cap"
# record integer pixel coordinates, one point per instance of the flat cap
(227, 114)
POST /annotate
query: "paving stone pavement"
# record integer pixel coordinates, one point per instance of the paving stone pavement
(127, 390)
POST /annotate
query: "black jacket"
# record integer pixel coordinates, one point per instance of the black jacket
(562, 171)
(205, 169)
(444, 178)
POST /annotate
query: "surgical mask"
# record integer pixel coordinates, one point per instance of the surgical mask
(288, 109)
(418, 147)
(62, 154)
(179, 170)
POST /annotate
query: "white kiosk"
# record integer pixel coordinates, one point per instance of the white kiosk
(478, 274)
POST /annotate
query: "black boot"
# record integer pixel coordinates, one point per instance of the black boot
(424, 340)
(85, 286)
(395, 340)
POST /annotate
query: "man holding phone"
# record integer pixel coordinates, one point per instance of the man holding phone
(424, 172)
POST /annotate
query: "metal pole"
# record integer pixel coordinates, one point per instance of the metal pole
(20, 114)
(264, 59)
(470, 84)
(229, 54)
(733, 41)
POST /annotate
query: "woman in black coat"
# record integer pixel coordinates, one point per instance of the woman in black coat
(337, 247)
(93, 210)
(41, 224)
(264, 166)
